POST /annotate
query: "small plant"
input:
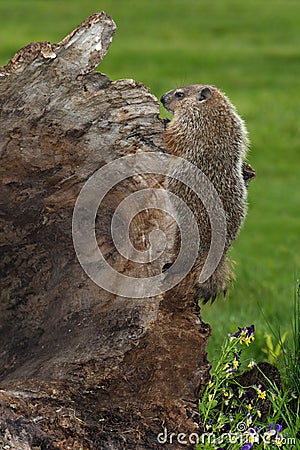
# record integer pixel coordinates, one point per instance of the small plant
(291, 356)
(257, 415)
(272, 350)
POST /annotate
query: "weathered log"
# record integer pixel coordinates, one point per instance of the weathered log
(81, 367)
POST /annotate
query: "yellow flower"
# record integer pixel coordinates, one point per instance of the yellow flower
(249, 407)
(251, 364)
(262, 394)
(235, 364)
(274, 397)
(248, 340)
(268, 435)
(259, 413)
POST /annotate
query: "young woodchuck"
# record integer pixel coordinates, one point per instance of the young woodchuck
(207, 131)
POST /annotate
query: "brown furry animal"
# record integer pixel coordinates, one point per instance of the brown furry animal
(207, 131)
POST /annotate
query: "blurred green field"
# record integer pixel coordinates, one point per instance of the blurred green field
(251, 50)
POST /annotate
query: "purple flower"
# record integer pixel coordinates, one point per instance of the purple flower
(246, 330)
(250, 395)
(245, 335)
(247, 446)
(250, 329)
(237, 333)
(278, 427)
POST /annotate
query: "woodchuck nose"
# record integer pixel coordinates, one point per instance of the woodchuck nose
(207, 131)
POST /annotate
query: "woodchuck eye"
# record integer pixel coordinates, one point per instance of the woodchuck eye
(205, 94)
(179, 94)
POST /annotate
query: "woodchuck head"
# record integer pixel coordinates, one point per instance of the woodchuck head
(205, 117)
(193, 95)
(198, 100)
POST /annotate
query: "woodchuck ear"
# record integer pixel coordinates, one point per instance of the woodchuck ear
(205, 94)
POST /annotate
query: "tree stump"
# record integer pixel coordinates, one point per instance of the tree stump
(82, 367)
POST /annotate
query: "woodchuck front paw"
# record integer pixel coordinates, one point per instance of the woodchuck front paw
(218, 282)
(207, 292)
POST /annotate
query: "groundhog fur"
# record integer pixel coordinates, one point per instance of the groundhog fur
(207, 131)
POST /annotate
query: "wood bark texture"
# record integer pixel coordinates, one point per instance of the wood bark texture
(80, 367)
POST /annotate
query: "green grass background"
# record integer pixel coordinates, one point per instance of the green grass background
(251, 50)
